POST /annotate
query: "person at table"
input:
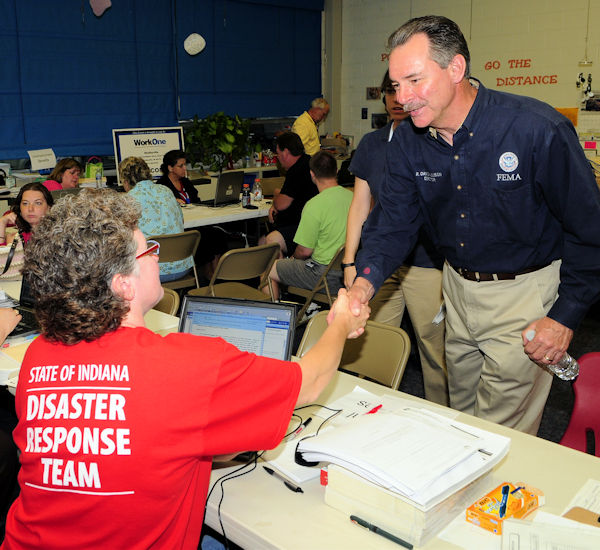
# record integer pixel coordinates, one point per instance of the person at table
(175, 178)
(32, 204)
(9, 459)
(131, 420)
(417, 285)
(320, 234)
(161, 215)
(288, 202)
(64, 176)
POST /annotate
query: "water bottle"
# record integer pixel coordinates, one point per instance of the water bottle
(566, 369)
(257, 190)
(246, 195)
(98, 179)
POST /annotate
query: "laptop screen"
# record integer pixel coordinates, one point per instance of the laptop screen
(264, 328)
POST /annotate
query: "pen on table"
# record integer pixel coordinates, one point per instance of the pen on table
(381, 532)
(289, 484)
(300, 428)
(374, 409)
(502, 510)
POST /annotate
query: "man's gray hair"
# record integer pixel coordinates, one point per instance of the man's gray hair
(445, 39)
(319, 103)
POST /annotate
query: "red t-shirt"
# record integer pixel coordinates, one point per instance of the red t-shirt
(52, 185)
(117, 435)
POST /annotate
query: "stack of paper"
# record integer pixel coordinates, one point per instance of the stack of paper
(409, 472)
(422, 456)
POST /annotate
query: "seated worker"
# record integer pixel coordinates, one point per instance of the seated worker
(131, 420)
(175, 178)
(306, 125)
(297, 189)
(418, 283)
(321, 232)
(64, 176)
(32, 204)
(161, 214)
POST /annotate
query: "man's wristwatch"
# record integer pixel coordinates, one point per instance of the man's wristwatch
(344, 266)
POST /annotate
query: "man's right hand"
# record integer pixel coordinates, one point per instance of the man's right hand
(340, 311)
(358, 297)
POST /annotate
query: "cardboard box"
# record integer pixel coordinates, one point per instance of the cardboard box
(505, 501)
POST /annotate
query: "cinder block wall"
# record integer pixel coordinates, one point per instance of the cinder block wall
(531, 47)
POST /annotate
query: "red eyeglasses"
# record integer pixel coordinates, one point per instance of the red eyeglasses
(153, 248)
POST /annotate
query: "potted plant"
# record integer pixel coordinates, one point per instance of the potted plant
(217, 140)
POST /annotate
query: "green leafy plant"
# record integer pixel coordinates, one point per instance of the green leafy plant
(217, 140)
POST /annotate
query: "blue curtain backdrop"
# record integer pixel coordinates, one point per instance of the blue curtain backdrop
(69, 78)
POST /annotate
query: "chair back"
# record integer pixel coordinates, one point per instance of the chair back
(178, 246)
(380, 354)
(169, 302)
(321, 291)
(241, 264)
(583, 431)
(270, 184)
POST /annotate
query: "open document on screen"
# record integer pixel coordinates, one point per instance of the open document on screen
(263, 328)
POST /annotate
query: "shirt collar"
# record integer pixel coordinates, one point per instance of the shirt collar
(470, 121)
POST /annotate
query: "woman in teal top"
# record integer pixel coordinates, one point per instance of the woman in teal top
(161, 214)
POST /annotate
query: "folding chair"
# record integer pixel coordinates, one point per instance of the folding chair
(242, 264)
(583, 431)
(179, 246)
(380, 354)
(321, 291)
(169, 302)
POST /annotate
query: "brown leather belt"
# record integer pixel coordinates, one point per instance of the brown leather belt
(484, 277)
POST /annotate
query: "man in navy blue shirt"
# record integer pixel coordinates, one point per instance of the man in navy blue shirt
(504, 189)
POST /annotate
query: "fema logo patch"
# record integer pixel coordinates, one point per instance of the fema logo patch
(508, 161)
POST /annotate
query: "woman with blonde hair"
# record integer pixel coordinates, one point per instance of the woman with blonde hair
(161, 215)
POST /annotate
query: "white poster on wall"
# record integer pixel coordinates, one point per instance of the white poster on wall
(151, 144)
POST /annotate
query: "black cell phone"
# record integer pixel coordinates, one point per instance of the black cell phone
(251, 207)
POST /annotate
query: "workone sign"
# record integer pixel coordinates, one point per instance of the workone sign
(151, 144)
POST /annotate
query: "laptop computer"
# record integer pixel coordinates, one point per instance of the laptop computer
(228, 189)
(264, 328)
(28, 324)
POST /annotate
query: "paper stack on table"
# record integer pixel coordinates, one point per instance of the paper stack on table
(409, 472)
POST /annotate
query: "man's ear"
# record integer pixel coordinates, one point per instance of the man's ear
(458, 68)
(121, 286)
(312, 176)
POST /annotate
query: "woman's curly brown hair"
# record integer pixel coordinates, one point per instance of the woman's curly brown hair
(71, 259)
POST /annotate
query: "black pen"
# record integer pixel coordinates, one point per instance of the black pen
(289, 484)
(379, 531)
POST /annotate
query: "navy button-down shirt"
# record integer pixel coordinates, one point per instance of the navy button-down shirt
(513, 191)
(368, 163)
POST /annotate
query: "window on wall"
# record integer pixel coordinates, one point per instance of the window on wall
(70, 78)
(74, 77)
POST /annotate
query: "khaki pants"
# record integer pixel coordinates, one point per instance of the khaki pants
(420, 290)
(489, 374)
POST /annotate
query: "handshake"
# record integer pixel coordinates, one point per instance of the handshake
(350, 315)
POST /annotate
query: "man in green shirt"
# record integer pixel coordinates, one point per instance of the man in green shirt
(321, 232)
